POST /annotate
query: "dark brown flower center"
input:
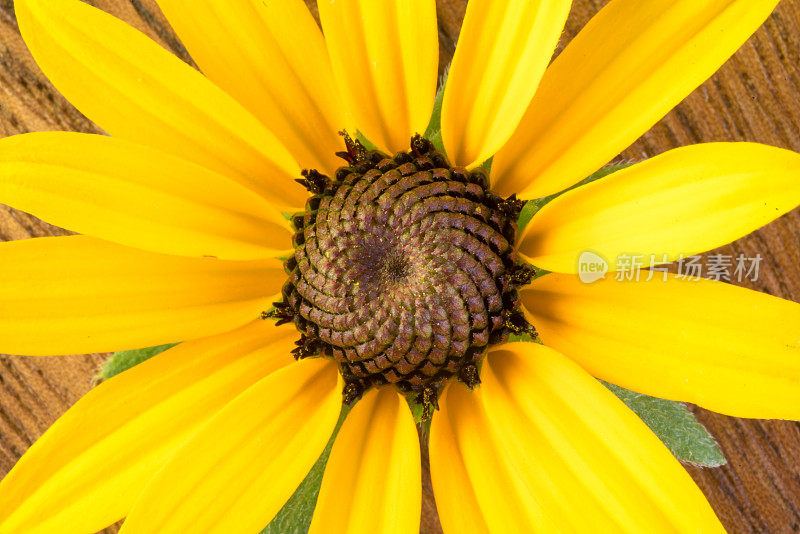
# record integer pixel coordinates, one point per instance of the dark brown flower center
(404, 270)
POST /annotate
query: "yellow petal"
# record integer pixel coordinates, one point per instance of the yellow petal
(238, 471)
(684, 201)
(77, 294)
(547, 448)
(373, 479)
(627, 68)
(728, 349)
(271, 57)
(385, 58)
(456, 498)
(137, 196)
(134, 89)
(86, 471)
(502, 53)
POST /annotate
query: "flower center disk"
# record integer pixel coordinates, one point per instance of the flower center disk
(404, 269)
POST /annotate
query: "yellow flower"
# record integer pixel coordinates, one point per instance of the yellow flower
(184, 207)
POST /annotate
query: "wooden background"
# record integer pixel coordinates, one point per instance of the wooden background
(754, 97)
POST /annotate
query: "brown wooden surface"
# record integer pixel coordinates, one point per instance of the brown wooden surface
(754, 97)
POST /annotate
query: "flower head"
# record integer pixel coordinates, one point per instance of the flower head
(222, 213)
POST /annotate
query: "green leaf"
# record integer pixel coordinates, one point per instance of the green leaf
(124, 360)
(295, 516)
(675, 425)
(530, 209)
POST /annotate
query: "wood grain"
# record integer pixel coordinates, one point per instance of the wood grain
(754, 97)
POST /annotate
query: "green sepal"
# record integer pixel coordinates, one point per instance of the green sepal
(125, 359)
(513, 338)
(295, 516)
(415, 407)
(434, 131)
(675, 426)
(361, 138)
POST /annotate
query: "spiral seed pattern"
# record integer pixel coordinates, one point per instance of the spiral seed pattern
(403, 269)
